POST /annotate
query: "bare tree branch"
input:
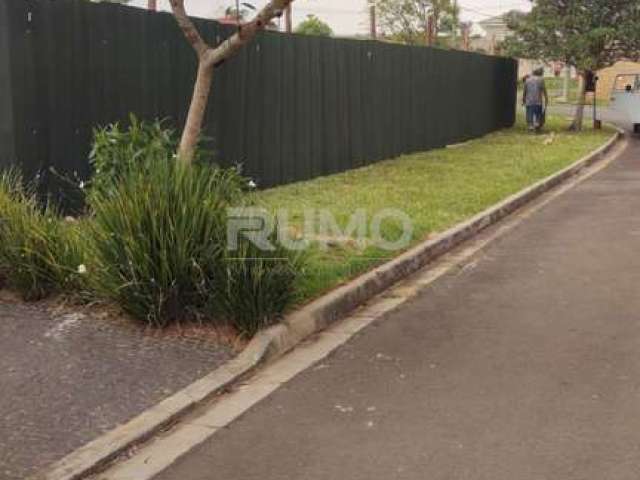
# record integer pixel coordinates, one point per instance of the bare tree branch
(188, 28)
(209, 58)
(247, 32)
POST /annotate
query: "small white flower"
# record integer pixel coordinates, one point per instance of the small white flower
(82, 269)
(81, 185)
(252, 184)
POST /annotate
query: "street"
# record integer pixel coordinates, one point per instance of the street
(522, 365)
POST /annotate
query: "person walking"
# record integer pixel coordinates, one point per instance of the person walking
(535, 99)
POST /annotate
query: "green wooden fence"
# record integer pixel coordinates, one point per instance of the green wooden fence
(287, 108)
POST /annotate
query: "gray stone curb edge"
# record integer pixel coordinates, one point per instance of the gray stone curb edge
(312, 318)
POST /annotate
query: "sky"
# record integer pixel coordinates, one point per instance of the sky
(346, 17)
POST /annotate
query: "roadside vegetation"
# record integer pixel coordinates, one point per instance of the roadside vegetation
(154, 236)
(39, 253)
(153, 239)
(436, 189)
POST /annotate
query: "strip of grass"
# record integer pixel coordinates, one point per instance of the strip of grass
(436, 189)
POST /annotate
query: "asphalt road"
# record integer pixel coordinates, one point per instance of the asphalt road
(66, 379)
(523, 366)
(607, 114)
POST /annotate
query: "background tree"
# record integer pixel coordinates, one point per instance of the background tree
(445, 15)
(314, 26)
(449, 24)
(586, 34)
(406, 20)
(402, 20)
(211, 57)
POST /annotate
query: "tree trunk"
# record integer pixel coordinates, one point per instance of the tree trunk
(372, 20)
(208, 59)
(578, 117)
(288, 20)
(197, 111)
(436, 23)
(567, 82)
(455, 23)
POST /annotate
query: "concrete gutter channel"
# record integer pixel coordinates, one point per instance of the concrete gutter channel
(296, 327)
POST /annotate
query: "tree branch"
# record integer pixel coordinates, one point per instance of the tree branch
(246, 33)
(208, 58)
(188, 28)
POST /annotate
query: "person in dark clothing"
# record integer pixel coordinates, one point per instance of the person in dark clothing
(535, 99)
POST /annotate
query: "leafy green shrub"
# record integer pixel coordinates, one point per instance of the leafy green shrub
(117, 149)
(254, 286)
(71, 255)
(39, 252)
(158, 237)
(159, 231)
(159, 250)
(10, 185)
(155, 241)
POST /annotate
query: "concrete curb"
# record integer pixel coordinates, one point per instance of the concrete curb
(314, 317)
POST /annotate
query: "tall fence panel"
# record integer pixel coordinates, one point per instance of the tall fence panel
(287, 108)
(7, 143)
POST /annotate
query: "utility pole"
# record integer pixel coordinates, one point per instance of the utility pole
(152, 5)
(287, 19)
(372, 20)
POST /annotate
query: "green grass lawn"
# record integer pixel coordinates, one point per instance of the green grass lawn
(436, 189)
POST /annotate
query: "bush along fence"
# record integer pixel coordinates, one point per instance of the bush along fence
(287, 108)
(153, 240)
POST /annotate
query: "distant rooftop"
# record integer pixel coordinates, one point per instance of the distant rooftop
(496, 26)
(497, 21)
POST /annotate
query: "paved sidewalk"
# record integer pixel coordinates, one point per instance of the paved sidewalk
(525, 365)
(65, 379)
